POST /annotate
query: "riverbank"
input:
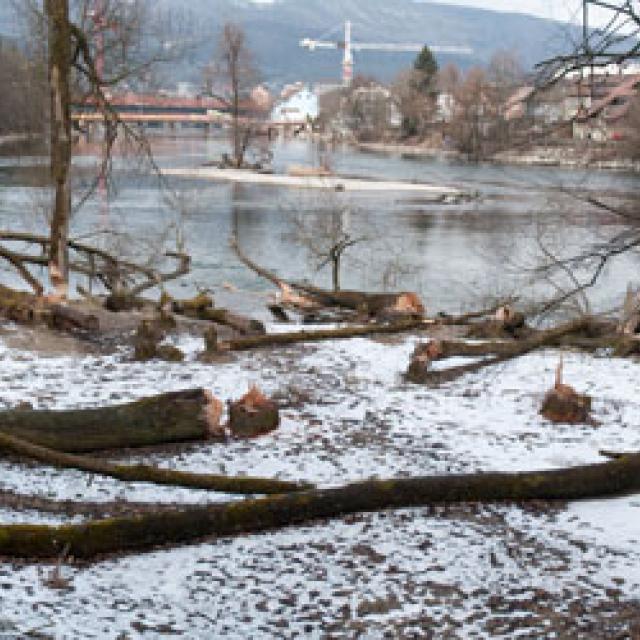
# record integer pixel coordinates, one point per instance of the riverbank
(465, 570)
(568, 157)
(439, 193)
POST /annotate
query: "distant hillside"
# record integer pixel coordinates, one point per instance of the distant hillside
(275, 29)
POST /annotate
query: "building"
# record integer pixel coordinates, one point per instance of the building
(299, 107)
(607, 119)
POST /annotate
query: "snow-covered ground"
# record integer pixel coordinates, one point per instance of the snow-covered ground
(465, 571)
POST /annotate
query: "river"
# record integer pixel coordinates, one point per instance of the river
(457, 256)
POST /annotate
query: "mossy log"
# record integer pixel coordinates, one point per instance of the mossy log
(26, 308)
(242, 324)
(144, 473)
(146, 531)
(178, 416)
(293, 337)
(202, 308)
(504, 351)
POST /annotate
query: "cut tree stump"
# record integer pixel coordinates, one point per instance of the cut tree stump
(253, 415)
(563, 404)
(179, 416)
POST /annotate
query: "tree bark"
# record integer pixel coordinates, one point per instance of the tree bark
(275, 339)
(143, 473)
(171, 417)
(60, 153)
(146, 531)
(365, 302)
(505, 353)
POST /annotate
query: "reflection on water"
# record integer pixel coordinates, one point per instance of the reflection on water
(454, 255)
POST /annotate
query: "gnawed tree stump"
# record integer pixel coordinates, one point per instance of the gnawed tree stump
(418, 370)
(147, 342)
(253, 415)
(179, 416)
(563, 404)
(433, 350)
(421, 358)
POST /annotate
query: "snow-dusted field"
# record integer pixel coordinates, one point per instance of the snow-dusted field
(463, 571)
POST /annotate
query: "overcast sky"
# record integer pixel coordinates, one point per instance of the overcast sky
(565, 10)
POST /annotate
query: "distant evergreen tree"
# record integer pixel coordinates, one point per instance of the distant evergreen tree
(426, 68)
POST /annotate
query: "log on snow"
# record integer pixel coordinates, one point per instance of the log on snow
(293, 337)
(146, 531)
(179, 416)
(506, 352)
(244, 485)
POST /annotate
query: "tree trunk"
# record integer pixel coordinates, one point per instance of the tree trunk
(336, 272)
(60, 153)
(146, 531)
(294, 337)
(547, 338)
(370, 303)
(171, 417)
(144, 473)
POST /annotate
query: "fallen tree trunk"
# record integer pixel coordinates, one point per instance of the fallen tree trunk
(144, 473)
(371, 304)
(70, 508)
(202, 308)
(179, 416)
(507, 351)
(27, 308)
(146, 531)
(466, 318)
(293, 337)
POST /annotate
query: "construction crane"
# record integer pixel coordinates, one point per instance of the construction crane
(348, 46)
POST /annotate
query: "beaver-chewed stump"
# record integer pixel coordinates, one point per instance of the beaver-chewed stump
(421, 358)
(434, 350)
(564, 405)
(566, 408)
(253, 415)
(147, 342)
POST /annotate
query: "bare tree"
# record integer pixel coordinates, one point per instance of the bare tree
(616, 42)
(76, 73)
(471, 126)
(326, 237)
(60, 58)
(416, 107)
(25, 92)
(231, 78)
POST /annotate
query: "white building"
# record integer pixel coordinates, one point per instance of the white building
(300, 107)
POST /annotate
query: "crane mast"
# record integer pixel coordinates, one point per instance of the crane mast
(348, 47)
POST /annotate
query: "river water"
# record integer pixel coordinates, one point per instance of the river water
(457, 256)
